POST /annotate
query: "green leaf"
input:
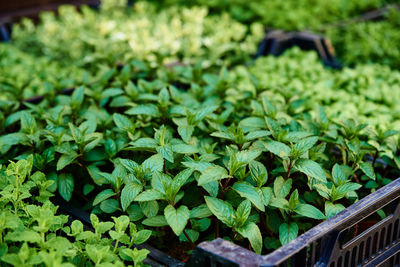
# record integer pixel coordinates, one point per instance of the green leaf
(242, 213)
(332, 209)
(65, 185)
(282, 187)
(256, 135)
(156, 221)
(258, 173)
(221, 209)
(311, 169)
(277, 148)
(109, 205)
(251, 193)
(177, 218)
(288, 232)
(166, 152)
(145, 142)
(309, 211)
(185, 131)
(184, 149)
(123, 122)
(213, 173)
(251, 231)
(201, 211)
(103, 195)
(367, 168)
(154, 163)
(348, 187)
(338, 174)
(147, 109)
(128, 194)
(66, 160)
(150, 194)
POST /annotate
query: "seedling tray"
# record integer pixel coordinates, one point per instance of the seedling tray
(338, 241)
(276, 42)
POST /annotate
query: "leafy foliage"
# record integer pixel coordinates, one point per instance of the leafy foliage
(249, 155)
(32, 233)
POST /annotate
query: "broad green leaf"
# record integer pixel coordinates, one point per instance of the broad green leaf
(309, 211)
(213, 173)
(103, 195)
(221, 209)
(258, 173)
(128, 194)
(282, 187)
(109, 205)
(332, 209)
(147, 109)
(251, 231)
(65, 185)
(367, 168)
(277, 148)
(123, 122)
(288, 232)
(154, 163)
(251, 193)
(177, 218)
(311, 169)
(156, 221)
(201, 211)
(166, 152)
(338, 174)
(184, 149)
(65, 160)
(185, 131)
(150, 194)
(242, 213)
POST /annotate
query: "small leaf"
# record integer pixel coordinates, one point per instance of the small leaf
(177, 218)
(221, 209)
(109, 205)
(65, 185)
(277, 148)
(211, 174)
(149, 195)
(66, 160)
(311, 169)
(367, 168)
(251, 231)
(103, 195)
(288, 232)
(128, 194)
(147, 109)
(251, 193)
(156, 221)
(309, 211)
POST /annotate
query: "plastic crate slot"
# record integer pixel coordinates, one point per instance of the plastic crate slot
(354, 256)
(367, 249)
(339, 262)
(389, 236)
(361, 253)
(374, 249)
(382, 239)
(347, 258)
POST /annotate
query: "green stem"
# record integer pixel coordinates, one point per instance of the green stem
(289, 169)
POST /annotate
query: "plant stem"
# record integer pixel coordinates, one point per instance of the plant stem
(289, 169)
(187, 237)
(375, 157)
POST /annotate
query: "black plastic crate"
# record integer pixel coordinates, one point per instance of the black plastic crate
(332, 243)
(276, 42)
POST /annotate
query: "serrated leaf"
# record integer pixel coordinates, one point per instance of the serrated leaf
(288, 232)
(109, 205)
(128, 194)
(65, 185)
(177, 218)
(150, 194)
(103, 195)
(212, 174)
(311, 169)
(309, 211)
(221, 209)
(251, 231)
(146, 109)
(251, 193)
(277, 148)
(156, 221)
(367, 168)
